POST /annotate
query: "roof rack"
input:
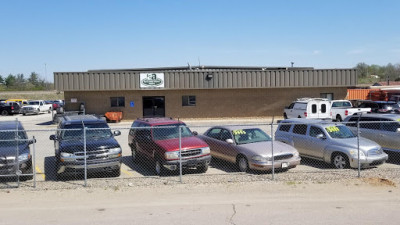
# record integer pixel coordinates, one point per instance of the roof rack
(310, 99)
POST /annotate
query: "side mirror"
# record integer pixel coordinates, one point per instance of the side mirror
(229, 141)
(117, 133)
(52, 137)
(321, 136)
(195, 133)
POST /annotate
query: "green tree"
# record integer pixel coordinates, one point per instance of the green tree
(362, 69)
(10, 81)
(1, 80)
(34, 79)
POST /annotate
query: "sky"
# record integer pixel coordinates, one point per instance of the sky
(75, 35)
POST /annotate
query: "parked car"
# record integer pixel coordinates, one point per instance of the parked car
(249, 148)
(309, 108)
(382, 128)
(387, 107)
(36, 107)
(9, 108)
(156, 141)
(340, 109)
(103, 153)
(12, 137)
(20, 101)
(365, 104)
(395, 98)
(329, 142)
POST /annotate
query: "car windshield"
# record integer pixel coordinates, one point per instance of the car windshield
(33, 103)
(339, 132)
(250, 135)
(94, 131)
(8, 138)
(170, 131)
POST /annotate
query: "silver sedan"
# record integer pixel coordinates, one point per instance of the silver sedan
(249, 148)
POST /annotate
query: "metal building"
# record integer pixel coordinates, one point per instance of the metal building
(200, 92)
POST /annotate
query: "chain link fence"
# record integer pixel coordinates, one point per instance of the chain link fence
(96, 156)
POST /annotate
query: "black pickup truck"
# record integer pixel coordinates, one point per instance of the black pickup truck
(9, 108)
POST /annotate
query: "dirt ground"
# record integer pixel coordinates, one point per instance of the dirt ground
(353, 201)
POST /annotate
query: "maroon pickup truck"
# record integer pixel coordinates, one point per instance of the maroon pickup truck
(156, 141)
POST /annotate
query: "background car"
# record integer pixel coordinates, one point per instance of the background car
(249, 148)
(382, 128)
(10, 141)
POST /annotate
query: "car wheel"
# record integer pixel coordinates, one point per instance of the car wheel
(338, 118)
(159, 168)
(24, 114)
(242, 164)
(299, 117)
(202, 169)
(38, 111)
(134, 154)
(4, 113)
(116, 172)
(285, 116)
(340, 161)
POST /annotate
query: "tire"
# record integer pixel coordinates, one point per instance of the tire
(116, 173)
(24, 114)
(4, 113)
(134, 154)
(159, 168)
(285, 116)
(202, 169)
(299, 117)
(242, 164)
(338, 118)
(340, 161)
(38, 112)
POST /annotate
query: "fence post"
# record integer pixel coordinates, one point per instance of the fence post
(84, 153)
(272, 148)
(358, 147)
(17, 153)
(34, 161)
(180, 153)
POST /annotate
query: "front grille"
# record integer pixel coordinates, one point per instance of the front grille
(375, 152)
(91, 155)
(284, 156)
(6, 161)
(191, 152)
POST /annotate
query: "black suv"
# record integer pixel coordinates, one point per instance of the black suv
(103, 153)
(15, 155)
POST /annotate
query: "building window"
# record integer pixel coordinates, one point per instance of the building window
(188, 100)
(117, 101)
(329, 96)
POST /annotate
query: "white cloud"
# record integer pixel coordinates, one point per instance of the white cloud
(355, 52)
(316, 52)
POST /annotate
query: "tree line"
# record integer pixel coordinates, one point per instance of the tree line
(19, 83)
(383, 73)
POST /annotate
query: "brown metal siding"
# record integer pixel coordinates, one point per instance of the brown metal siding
(99, 81)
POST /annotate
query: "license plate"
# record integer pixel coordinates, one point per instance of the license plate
(285, 165)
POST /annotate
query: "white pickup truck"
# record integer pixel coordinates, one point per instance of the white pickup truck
(36, 107)
(340, 109)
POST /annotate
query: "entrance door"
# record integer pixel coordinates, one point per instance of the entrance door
(154, 106)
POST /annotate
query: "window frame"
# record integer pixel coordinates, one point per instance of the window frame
(118, 101)
(189, 100)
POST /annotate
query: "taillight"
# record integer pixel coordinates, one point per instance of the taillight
(305, 114)
(346, 113)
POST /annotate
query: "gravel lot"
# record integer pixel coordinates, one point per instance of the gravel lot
(140, 175)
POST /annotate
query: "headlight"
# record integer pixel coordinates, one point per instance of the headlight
(296, 154)
(23, 157)
(66, 155)
(354, 153)
(172, 155)
(260, 158)
(114, 150)
(205, 150)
